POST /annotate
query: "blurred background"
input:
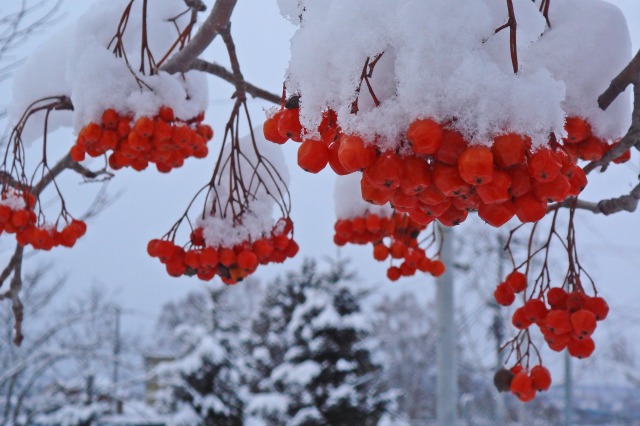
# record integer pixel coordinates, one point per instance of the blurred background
(112, 339)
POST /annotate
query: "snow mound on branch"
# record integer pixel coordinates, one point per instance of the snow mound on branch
(348, 205)
(267, 402)
(442, 59)
(79, 63)
(588, 45)
(13, 200)
(220, 229)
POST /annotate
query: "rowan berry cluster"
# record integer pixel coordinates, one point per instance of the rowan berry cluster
(565, 319)
(17, 216)
(526, 383)
(163, 140)
(16, 211)
(231, 264)
(444, 177)
(580, 142)
(394, 238)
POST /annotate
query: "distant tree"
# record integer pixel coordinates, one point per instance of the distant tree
(204, 383)
(331, 372)
(268, 341)
(67, 358)
(407, 330)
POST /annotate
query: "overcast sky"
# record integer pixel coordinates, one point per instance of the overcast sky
(113, 253)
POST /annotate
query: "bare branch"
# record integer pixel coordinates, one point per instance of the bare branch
(217, 21)
(13, 32)
(15, 267)
(631, 139)
(225, 74)
(91, 175)
(196, 5)
(630, 74)
(65, 163)
(628, 203)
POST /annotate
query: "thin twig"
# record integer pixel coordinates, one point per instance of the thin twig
(217, 21)
(225, 74)
(513, 25)
(629, 75)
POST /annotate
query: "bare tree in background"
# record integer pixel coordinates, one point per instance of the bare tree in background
(75, 341)
(18, 22)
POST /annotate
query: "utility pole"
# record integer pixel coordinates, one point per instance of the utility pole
(498, 331)
(497, 326)
(568, 390)
(447, 387)
(116, 363)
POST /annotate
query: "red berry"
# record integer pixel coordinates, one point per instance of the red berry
(509, 150)
(581, 348)
(544, 165)
(504, 294)
(583, 322)
(289, 124)
(540, 378)
(425, 136)
(354, 154)
(393, 273)
(517, 281)
(313, 155)
(476, 165)
(598, 306)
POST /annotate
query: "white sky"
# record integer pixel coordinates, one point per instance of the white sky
(113, 253)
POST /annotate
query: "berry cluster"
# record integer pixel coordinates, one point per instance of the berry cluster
(524, 384)
(395, 237)
(569, 320)
(45, 237)
(440, 176)
(163, 140)
(17, 216)
(16, 211)
(232, 264)
(565, 319)
(580, 142)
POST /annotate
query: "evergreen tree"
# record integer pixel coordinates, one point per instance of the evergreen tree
(204, 384)
(268, 341)
(330, 371)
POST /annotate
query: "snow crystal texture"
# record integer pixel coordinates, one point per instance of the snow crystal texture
(442, 59)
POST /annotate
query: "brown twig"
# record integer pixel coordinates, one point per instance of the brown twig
(15, 267)
(238, 79)
(628, 203)
(217, 21)
(365, 75)
(544, 9)
(513, 25)
(631, 139)
(225, 74)
(629, 75)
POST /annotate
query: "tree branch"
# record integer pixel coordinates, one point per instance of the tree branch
(628, 203)
(65, 163)
(631, 139)
(90, 174)
(217, 21)
(630, 74)
(15, 266)
(225, 74)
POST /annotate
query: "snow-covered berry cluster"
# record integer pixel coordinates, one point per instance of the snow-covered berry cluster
(231, 264)
(17, 216)
(394, 238)
(162, 140)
